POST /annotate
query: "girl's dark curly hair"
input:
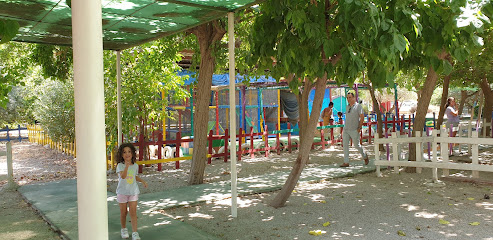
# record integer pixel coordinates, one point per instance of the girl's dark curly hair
(119, 154)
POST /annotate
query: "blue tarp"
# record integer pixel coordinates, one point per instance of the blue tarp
(223, 79)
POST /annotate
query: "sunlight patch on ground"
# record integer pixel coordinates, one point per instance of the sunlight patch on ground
(409, 207)
(448, 234)
(164, 222)
(20, 235)
(322, 185)
(317, 197)
(242, 202)
(268, 219)
(428, 215)
(200, 215)
(485, 205)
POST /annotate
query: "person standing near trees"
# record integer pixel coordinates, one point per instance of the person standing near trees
(127, 191)
(327, 117)
(352, 128)
(452, 116)
(327, 114)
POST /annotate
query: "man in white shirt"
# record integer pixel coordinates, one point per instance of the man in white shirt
(352, 128)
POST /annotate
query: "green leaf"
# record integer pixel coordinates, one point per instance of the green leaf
(435, 64)
(461, 54)
(447, 67)
(328, 47)
(488, 10)
(8, 30)
(400, 42)
(444, 222)
(474, 223)
(385, 26)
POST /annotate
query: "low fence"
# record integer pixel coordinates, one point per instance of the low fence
(437, 140)
(38, 135)
(218, 145)
(7, 132)
(399, 124)
(248, 144)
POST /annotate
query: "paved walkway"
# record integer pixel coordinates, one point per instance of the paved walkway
(57, 201)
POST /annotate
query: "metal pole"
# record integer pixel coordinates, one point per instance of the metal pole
(87, 42)
(232, 113)
(119, 96)
(396, 101)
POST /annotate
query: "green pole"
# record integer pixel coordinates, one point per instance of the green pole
(191, 108)
(395, 101)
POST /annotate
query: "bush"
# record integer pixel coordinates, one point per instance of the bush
(55, 110)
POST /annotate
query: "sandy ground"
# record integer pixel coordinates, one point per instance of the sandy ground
(359, 207)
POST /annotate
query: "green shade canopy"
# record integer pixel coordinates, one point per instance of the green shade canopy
(126, 23)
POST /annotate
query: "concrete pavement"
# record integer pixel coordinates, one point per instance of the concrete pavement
(57, 201)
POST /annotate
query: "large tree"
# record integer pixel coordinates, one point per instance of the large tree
(208, 38)
(440, 39)
(307, 42)
(147, 71)
(8, 30)
(476, 72)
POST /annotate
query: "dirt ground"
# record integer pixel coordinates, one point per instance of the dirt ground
(33, 163)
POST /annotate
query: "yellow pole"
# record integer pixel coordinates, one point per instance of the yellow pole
(164, 117)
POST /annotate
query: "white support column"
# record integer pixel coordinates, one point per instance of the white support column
(119, 96)
(232, 113)
(89, 119)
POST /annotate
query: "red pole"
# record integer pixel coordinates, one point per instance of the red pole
(141, 151)
(393, 123)
(322, 135)
(179, 121)
(177, 152)
(331, 133)
(278, 144)
(340, 122)
(239, 145)
(226, 138)
(251, 142)
(266, 139)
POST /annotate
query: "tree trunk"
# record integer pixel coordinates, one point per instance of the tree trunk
(488, 103)
(376, 108)
(307, 131)
(462, 103)
(443, 101)
(207, 34)
(420, 119)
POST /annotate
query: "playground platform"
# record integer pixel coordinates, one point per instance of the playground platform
(57, 201)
